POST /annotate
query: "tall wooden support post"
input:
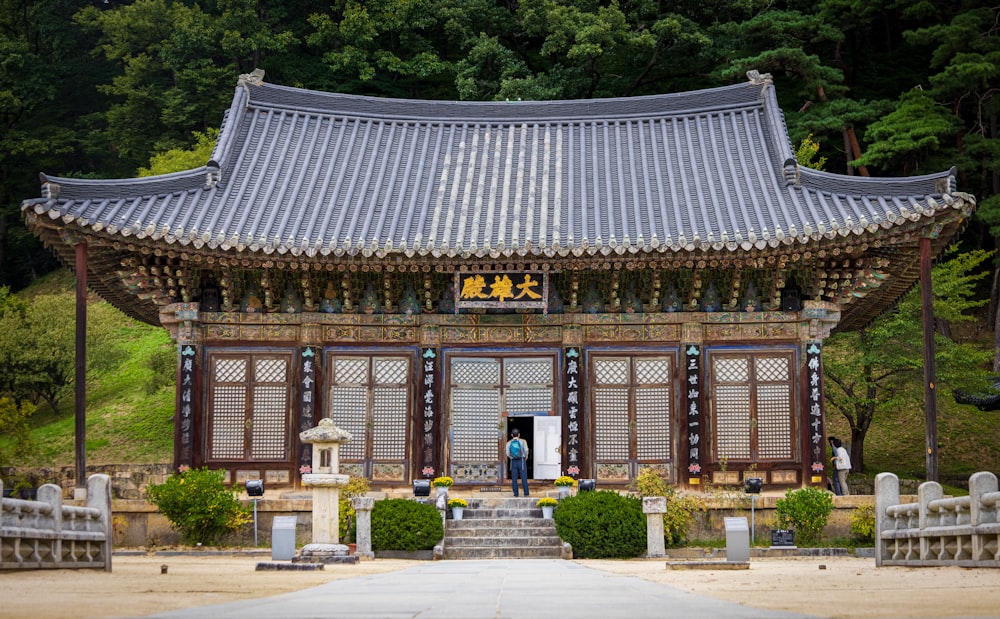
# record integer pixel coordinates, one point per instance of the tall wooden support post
(930, 372)
(80, 406)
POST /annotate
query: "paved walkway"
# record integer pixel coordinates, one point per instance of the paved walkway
(495, 589)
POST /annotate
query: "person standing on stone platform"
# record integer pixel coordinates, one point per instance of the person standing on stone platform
(517, 455)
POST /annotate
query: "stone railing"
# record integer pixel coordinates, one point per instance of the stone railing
(46, 534)
(935, 530)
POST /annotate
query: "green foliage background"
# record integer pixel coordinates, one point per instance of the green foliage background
(115, 89)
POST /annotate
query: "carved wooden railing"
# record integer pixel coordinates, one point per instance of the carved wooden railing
(935, 530)
(45, 534)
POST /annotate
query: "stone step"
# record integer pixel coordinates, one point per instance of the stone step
(547, 552)
(467, 531)
(504, 542)
(530, 521)
(501, 527)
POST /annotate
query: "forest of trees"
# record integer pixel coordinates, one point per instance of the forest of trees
(94, 88)
(885, 88)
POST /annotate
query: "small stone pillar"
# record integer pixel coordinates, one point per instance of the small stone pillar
(326, 482)
(363, 524)
(654, 507)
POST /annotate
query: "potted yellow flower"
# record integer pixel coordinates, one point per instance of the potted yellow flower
(547, 504)
(564, 483)
(442, 484)
(457, 507)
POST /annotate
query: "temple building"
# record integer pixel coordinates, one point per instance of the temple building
(630, 282)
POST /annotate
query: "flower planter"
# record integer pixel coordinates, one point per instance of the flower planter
(547, 512)
(456, 512)
(563, 491)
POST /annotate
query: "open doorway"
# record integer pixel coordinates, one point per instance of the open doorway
(526, 426)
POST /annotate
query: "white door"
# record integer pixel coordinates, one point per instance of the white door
(547, 447)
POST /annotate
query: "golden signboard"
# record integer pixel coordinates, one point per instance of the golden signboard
(502, 290)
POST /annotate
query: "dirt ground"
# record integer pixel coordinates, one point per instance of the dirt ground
(825, 586)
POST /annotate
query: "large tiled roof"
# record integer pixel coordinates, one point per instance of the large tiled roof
(314, 173)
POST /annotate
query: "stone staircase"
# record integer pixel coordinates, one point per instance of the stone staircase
(501, 528)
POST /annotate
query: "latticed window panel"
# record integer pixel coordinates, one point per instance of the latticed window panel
(389, 423)
(731, 369)
(350, 370)
(349, 410)
(732, 421)
(391, 371)
(611, 419)
(271, 371)
(528, 371)
(652, 419)
(269, 431)
(611, 371)
(475, 417)
(653, 371)
(475, 372)
(772, 369)
(774, 422)
(228, 422)
(230, 371)
(520, 401)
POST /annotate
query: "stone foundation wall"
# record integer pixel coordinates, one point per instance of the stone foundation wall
(128, 481)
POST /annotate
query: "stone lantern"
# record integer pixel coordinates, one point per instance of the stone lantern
(326, 482)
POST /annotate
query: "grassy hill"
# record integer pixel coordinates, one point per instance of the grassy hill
(130, 404)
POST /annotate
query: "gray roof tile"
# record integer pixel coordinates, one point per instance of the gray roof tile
(299, 171)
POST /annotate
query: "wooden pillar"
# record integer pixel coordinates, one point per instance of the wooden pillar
(430, 416)
(80, 404)
(572, 390)
(930, 372)
(692, 394)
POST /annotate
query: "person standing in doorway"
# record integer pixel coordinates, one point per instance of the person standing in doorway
(517, 454)
(842, 466)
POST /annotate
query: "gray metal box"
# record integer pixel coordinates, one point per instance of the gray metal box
(283, 538)
(737, 539)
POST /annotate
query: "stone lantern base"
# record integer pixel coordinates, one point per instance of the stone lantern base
(325, 553)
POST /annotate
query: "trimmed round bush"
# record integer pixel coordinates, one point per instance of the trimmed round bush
(404, 524)
(602, 524)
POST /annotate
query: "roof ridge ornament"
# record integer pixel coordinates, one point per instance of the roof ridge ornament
(254, 78)
(759, 79)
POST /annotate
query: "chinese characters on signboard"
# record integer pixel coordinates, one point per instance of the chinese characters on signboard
(692, 381)
(815, 373)
(307, 399)
(573, 388)
(515, 290)
(428, 400)
(186, 437)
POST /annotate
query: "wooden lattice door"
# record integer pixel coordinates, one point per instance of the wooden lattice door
(249, 407)
(370, 398)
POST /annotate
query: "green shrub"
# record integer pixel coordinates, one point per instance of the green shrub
(806, 511)
(863, 523)
(356, 486)
(199, 507)
(602, 524)
(404, 524)
(649, 482)
(677, 519)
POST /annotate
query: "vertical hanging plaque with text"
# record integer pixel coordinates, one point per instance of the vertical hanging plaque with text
(307, 403)
(692, 382)
(430, 412)
(572, 388)
(814, 372)
(185, 434)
